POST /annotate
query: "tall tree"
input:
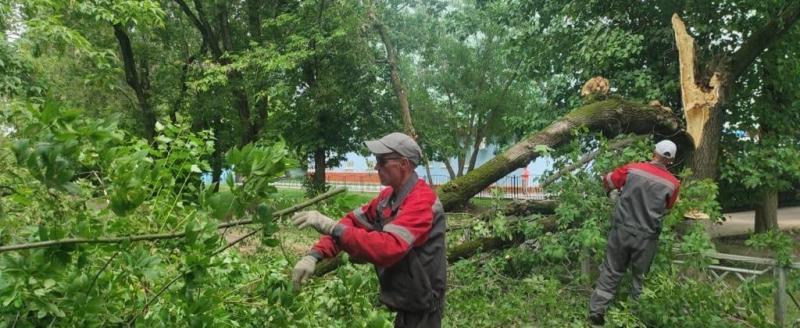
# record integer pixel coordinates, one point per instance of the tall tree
(762, 147)
(464, 86)
(737, 64)
(335, 99)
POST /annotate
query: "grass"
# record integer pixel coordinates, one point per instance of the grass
(299, 195)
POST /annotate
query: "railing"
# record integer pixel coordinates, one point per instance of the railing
(511, 187)
(720, 272)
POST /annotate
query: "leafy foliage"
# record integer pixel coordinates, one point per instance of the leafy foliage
(78, 176)
(223, 81)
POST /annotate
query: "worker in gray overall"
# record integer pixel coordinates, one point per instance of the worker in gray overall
(646, 192)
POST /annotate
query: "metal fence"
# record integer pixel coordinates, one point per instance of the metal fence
(757, 267)
(510, 187)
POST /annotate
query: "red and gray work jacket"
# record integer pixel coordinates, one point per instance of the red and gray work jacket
(647, 191)
(403, 234)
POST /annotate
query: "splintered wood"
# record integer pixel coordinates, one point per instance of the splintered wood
(698, 100)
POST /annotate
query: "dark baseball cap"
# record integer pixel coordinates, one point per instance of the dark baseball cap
(396, 142)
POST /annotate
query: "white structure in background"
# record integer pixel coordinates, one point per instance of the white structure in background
(358, 173)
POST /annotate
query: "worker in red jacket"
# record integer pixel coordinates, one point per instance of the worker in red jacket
(401, 232)
(646, 192)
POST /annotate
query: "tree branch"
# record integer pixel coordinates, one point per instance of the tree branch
(762, 39)
(136, 80)
(123, 239)
(131, 76)
(202, 25)
(619, 144)
(108, 262)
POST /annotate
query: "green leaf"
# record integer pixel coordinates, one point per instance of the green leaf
(264, 213)
(543, 150)
(163, 139)
(221, 204)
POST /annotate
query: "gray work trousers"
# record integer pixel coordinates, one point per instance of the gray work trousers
(626, 247)
(418, 319)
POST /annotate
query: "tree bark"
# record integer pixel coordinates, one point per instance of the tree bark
(217, 43)
(173, 115)
(254, 19)
(261, 105)
(248, 132)
(397, 83)
(611, 117)
(460, 160)
(201, 23)
(138, 82)
(767, 211)
(476, 145)
(398, 86)
(216, 155)
(449, 167)
(470, 248)
(530, 206)
(319, 169)
(704, 160)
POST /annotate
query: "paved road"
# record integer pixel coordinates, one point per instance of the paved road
(739, 223)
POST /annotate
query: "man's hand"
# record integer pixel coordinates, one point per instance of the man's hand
(613, 196)
(303, 270)
(321, 223)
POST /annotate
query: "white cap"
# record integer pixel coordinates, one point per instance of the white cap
(666, 148)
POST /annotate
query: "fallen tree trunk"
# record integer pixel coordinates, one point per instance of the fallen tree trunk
(548, 206)
(470, 248)
(611, 117)
(530, 206)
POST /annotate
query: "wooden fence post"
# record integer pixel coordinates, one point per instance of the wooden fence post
(780, 296)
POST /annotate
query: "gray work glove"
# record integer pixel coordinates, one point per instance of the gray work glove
(303, 270)
(613, 196)
(321, 223)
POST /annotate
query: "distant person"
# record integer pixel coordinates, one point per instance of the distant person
(647, 191)
(401, 232)
(525, 176)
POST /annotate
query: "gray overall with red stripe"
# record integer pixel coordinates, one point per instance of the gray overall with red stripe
(647, 191)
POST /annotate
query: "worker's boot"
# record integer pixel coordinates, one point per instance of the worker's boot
(597, 320)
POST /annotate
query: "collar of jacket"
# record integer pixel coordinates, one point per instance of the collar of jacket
(398, 196)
